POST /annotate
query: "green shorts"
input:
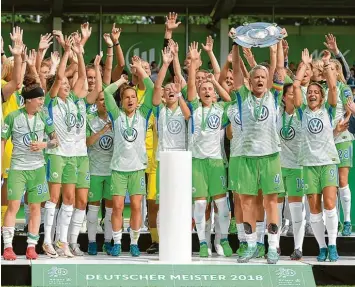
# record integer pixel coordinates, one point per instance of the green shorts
(345, 152)
(132, 182)
(83, 172)
(233, 173)
(263, 172)
(208, 177)
(293, 181)
(316, 178)
(61, 169)
(32, 181)
(99, 188)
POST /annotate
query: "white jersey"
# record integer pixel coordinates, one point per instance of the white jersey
(234, 118)
(80, 139)
(304, 94)
(64, 116)
(171, 127)
(317, 145)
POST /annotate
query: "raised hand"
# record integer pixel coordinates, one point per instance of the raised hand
(45, 42)
(17, 49)
(248, 54)
(194, 53)
(31, 59)
(285, 47)
(108, 40)
(284, 33)
(136, 62)
(167, 55)
(122, 80)
(98, 59)
(68, 41)
(170, 23)
(174, 47)
(232, 33)
(230, 57)
(59, 37)
(306, 57)
(24, 53)
(86, 30)
(55, 59)
(209, 44)
(76, 43)
(326, 56)
(115, 33)
(351, 105)
(331, 44)
(73, 57)
(210, 77)
(177, 85)
(17, 34)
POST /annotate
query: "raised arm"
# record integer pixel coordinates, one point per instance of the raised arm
(248, 55)
(183, 106)
(109, 60)
(174, 48)
(170, 25)
(244, 69)
(209, 50)
(224, 71)
(44, 43)
(191, 82)
(280, 64)
(31, 64)
(238, 80)
(272, 69)
(85, 33)
(93, 95)
(79, 50)
(221, 92)
(115, 35)
(331, 79)
(110, 102)
(306, 60)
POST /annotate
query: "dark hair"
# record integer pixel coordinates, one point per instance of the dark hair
(284, 91)
(50, 82)
(265, 64)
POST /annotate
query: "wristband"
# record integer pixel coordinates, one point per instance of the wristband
(2, 54)
(117, 44)
(178, 95)
(109, 47)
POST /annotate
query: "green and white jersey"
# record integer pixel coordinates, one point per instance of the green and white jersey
(129, 152)
(304, 94)
(100, 153)
(22, 133)
(234, 119)
(317, 142)
(64, 115)
(80, 139)
(258, 122)
(171, 127)
(289, 129)
(205, 125)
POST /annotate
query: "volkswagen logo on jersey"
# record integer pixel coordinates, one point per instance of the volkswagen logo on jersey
(71, 120)
(287, 133)
(264, 113)
(213, 121)
(22, 100)
(106, 142)
(93, 108)
(132, 137)
(315, 126)
(174, 127)
(27, 139)
(237, 118)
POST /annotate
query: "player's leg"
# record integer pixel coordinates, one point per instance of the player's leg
(260, 225)
(108, 214)
(238, 213)
(217, 232)
(208, 225)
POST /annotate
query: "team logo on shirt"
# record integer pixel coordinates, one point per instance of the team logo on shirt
(237, 118)
(315, 126)
(287, 133)
(93, 108)
(27, 139)
(264, 114)
(131, 135)
(5, 128)
(213, 121)
(70, 120)
(174, 127)
(106, 142)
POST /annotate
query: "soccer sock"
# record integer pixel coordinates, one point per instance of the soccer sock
(64, 221)
(75, 225)
(42, 214)
(32, 240)
(8, 235)
(117, 236)
(208, 227)
(273, 238)
(317, 224)
(54, 225)
(250, 236)
(223, 216)
(134, 234)
(332, 225)
(48, 221)
(200, 219)
(345, 197)
(298, 223)
(241, 232)
(287, 211)
(260, 231)
(108, 224)
(26, 210)
(217, 229)
(92, 219)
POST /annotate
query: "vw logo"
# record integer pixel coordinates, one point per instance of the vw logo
(264, 113)
(237, 118)
(213, 121)
(22, 100)
(315, 126)
(27, 139)
(287, 133)
(93, 108)
(132, 137)
(106, 142)
(70, 120)
(174, 127)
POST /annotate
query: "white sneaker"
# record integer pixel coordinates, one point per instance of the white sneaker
(219, 249)
(75, 249)
(63, 249)
(49, 250)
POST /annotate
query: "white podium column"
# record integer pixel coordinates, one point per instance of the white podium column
(175, 205)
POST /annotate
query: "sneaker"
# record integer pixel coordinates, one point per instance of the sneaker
(116, 250)
(290, 230)
(308, 230)
(203, 249)
(9, 254)
(31, 253)
(107, 247)
(272, 256)
(227, 250)
(49, 250)
(232, 226)
(243, 246)
(260, 250)
(219, 249)
(249, 253)
(347, 229)
(92, 248)
(134, 250)
(75, 249)
(333, 253)
(63, 249)
(323, 254)
(154, 248)
(296, 255)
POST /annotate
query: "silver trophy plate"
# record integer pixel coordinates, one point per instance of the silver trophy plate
(258, 34)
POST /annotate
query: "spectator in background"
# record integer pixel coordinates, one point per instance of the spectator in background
(210, 67)
(351, 106)
(155, 70)
(351, 81)
(292, 67)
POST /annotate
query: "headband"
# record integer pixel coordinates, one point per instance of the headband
(32, 94)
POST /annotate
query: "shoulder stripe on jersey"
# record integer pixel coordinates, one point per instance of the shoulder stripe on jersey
(192, 118)
(48, 173)
(276, 98)
(300, 112)
(330, 112)
(50, 109)
(239, 100)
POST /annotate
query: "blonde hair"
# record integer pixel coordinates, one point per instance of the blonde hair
(339, 69)
(319, 86)
(259, 67)
(7, 68)
(318, 64)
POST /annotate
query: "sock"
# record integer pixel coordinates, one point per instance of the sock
(317, 224)
(217, 229)
(298, 223)
(272, 236)
(345, 197)
(154, 235)
(134, 234)
(241, 232)
(251, 239)
(332, 225)
(200, 219)
(117, 236)
(92, 221)
(32, 240)
(77, 220)
(280, 207)
(3, 211)
(57, 226)
(208, 227)
(26, 210)
(260, 231)
(48, 221)
(223, 216)
(42, 214)
(8, 235)
(64, 221)
(108, 224)
(287, 211)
